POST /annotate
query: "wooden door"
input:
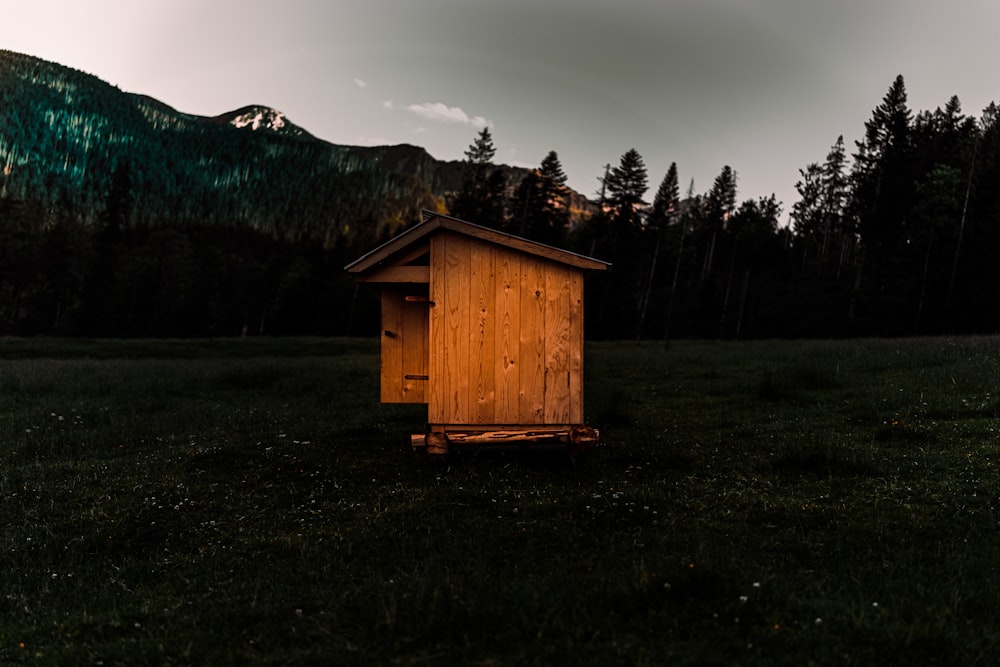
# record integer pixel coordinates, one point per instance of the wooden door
(405, 333)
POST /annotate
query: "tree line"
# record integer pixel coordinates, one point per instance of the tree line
(120, 216)
(897, 237)
(138, 221)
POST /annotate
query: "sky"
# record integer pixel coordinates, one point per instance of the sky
(763, 86)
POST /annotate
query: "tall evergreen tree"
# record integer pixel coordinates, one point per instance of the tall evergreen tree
(551, 169)
(119, 200)
(617, 234)
(945, 147)
(722, 196)
(934, 219)
(481, 199)
(755, 258)
(880, 172)
(687, 214)
(818, 218)
(807, 212)
(540, 210)
(835, 184)
(720, 204)
(482, 151)
(626, 185)
(665, 205)
(882, 196)
(974, 307)
(667, 197)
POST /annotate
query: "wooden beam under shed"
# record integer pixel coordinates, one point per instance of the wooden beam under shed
(577, 439)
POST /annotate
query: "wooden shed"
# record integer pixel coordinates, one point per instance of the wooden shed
(484, 327)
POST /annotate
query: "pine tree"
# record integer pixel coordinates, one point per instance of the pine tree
(934, 220)
(616, 235)
(482, 151)
(552, 170)
(481, 199)
(755, 255)
(945, 151)
(626, 185)
(722, 196)
(835, 184)
(689, 211)
(883, 182)
(665, 205)
(666, 199)
(540, 209)
(807, 212)
(720, 205)
(819, 217)
(880, 173)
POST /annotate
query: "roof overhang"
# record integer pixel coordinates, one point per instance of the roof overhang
(433, 222)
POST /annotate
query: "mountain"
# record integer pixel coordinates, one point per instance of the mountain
(78, 145)
(256, 117)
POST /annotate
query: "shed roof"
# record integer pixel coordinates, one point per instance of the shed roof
(435, 221)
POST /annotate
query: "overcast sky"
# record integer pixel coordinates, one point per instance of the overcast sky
(764, 86)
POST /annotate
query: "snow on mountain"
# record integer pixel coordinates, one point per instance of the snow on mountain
(260, 117)
(256, 117)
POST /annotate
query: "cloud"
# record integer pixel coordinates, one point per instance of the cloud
(443, 113)
(388, 105)
(360, 83)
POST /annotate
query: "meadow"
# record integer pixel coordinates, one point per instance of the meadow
(234, 502)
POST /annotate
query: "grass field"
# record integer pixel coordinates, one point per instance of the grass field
(250, 502)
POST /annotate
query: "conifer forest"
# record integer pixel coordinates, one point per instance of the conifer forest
(122, 217)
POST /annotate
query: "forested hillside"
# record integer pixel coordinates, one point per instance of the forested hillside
(68, 140)
(120, 216)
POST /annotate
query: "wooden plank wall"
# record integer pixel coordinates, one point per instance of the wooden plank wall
(576, 347)
(437, 387)
(532, 357)
(507, 310)
(482, 328)
(415, 351)
(506, 336)
(557, 346)
(404, 347)
(450, 335)
(392, 346)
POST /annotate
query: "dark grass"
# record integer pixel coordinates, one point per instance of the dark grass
(250, 502)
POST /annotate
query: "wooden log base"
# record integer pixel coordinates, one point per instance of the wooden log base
(578, 439)
(583, 439)
(436, 444)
